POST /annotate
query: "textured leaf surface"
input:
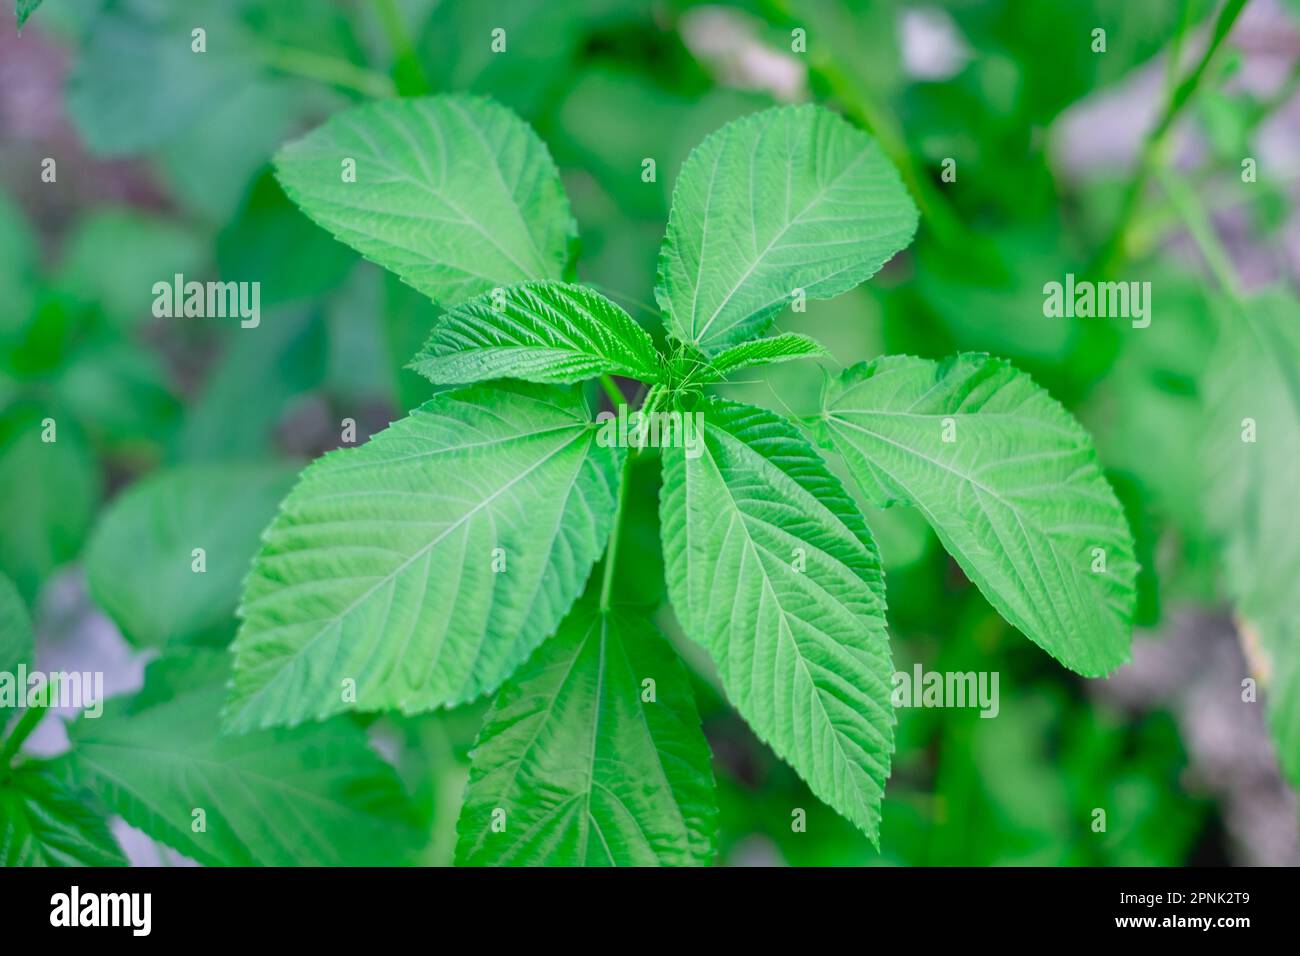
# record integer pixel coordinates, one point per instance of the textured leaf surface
(539, 332)
(43, 823)
(453, 193)
(1016, 496)
(379, 568)
(778, 348)
(16, 642)
(307, 796)
(588, 773)
(771, 567)
(140, 561)
(789, 198)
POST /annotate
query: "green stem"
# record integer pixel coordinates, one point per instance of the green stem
(1202, 231)
(861, 107)
(611, 552)
(1176, 48)
(408, 73)
(1115, 248)
(612, 391)
(26, 724)
(328, 69)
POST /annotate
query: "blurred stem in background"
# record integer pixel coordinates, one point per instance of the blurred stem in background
(1150, 156)
(328, 69)
(1202, 231)
(408, 73)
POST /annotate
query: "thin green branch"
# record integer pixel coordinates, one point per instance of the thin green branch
(1202, 231)
(612, 391)
(611, 551)
(1116, 247)
(328, 69)
(408, 73)
(26, 724)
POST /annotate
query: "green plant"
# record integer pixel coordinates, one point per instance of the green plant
(452, 555)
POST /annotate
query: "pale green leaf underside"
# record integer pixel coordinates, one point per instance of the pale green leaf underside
(772, 569)
(307, 796)
(140, 563)
(44, 823)
(455, 194)
(779, 348)
(1016, 496)
(379, 569)
(789, 198)
(538, 332)
(16, 641)
(587, 773)
(1252, 391)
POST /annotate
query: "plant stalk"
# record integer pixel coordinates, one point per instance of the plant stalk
(1115, 248)
(26, 724)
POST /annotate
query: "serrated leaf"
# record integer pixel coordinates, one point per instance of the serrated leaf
(379, 568)
(306, 796)
(1010, 483)
(771, 568)
(16, 641)
(453, 193)
(585, 770)
(140, 562)
(538, 332)
(44, 823)
(789, 198)
(779, 348)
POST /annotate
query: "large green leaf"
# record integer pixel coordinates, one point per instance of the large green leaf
(140, 562)
(771, 567)
(539, 332)
(380, 568)
(1010, 483)
(16, 642)
(44, 823)
(786, 199)
(576, 767)
(453, 193)
(306, 796)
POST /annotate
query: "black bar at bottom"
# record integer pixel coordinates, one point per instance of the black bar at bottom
(334, 906)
